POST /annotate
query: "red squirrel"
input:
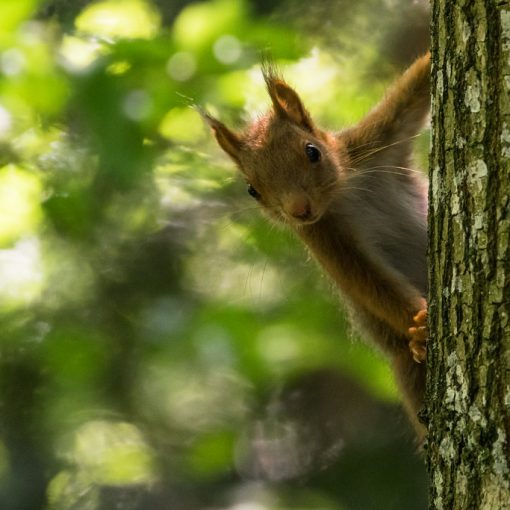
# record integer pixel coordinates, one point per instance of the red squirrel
(355, 203)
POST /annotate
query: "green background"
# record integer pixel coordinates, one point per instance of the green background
(162, 346)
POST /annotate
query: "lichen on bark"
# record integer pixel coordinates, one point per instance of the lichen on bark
(468, 381)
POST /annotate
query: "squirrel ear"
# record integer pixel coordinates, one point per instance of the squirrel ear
(286, 102)
(227, 139)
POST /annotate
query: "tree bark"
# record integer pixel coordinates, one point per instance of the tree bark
(468, 380)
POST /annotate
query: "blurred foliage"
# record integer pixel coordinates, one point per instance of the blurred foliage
(161, 345)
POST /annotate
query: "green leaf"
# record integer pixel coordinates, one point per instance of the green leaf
(12, 13)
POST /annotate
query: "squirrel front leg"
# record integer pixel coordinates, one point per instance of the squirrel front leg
(414, 309)
(369, 282)
(414, 315)
(387, 131)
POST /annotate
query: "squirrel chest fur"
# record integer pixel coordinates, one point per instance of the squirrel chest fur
(355, 203)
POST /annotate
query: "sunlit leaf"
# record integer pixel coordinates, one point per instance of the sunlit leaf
(21, 273)
(78, 53)
(111, 453)
(20, 194)
(120, 18)
(30, 81)
(199, 25)
(12, 13)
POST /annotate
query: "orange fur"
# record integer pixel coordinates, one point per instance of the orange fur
(352, 199)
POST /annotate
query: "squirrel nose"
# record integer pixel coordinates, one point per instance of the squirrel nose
(298, 206)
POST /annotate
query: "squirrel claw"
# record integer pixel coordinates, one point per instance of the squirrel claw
(418, 337)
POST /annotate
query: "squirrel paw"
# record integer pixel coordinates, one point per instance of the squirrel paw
(418, 337)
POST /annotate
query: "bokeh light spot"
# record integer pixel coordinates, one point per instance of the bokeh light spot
(5, 122)
(181, 66)
(19, 202)
(137, 105)
(77, 53)
(21, 272)
(227, 49)
(12, 62)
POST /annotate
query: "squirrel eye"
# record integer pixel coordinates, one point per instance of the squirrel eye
(253, 192)
(312, 152)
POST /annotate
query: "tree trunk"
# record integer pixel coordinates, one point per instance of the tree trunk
(468, 380)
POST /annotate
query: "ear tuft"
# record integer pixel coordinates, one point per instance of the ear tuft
(286, 102)
(270, 71)
(229, 141)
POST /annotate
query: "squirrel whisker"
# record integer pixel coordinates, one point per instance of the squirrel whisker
(368, 239)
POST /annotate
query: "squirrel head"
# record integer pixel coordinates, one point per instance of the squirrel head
(296, 170)
(291, 167)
